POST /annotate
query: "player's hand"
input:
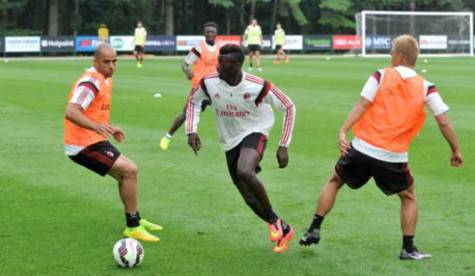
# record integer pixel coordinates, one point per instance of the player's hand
(282, 157)
(118, 134)
(189, 75)
(343, 144)
(194, 142)
(104, 129)
(456, 160)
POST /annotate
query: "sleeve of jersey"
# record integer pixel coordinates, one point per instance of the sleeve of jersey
(371, 87)
(193, 109)
(280, 101)
(433, 100)
(85, 92)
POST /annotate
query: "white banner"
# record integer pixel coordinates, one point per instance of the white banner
(293, 42)
(186, 42)
(22, 44)
(433, 42)
(122, 43)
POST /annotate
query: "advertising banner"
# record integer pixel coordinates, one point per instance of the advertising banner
(160, 43)
(122, 43)
(186, 42)
(87, 43)
(346, 42)
(2, 44)
(229, 39)
(293, 42)
(57, 43)
(378, 42)
(22, 44)
(433, 42)
(317, 42)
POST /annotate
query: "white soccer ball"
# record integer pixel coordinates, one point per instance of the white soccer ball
(128, 253)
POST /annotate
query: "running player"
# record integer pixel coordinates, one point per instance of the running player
(254, 41)
(204, 59)
(140, 36)
(279, 40)
(243, 107)
(86, 133)
(385, 120)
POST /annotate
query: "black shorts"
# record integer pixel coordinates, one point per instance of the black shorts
(138, 49)
(257, 141)
(356, 168)
(253, 48)
(98, 157)
(278, 47)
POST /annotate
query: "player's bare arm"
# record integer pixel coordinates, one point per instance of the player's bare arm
(448, 132)
(187, 70)
(356, 113)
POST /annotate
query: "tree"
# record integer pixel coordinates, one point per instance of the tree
(169, 24)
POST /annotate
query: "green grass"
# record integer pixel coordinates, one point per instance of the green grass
(60, 219)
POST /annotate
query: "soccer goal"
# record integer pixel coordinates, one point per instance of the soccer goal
(438, 33)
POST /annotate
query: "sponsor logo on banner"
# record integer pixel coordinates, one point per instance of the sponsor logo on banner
(346, 42)
(122, 43)
(433, 42)
(229, 39)
(317, 42)
(186, 42)
(22, 44)
(162, 43)
(293, 42)
(378, 42)
(2, 44)
(57, 44)
(87, 43)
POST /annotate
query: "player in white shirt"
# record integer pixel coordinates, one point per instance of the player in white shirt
(243, 107)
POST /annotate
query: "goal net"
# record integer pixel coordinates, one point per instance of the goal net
(438, 33)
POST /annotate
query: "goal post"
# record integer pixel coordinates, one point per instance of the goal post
(438, 33)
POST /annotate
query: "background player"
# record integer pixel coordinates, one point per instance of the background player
(204, 59)
(385, 120)
(254, 41)
(86, 132)
(140, 36)
(279, 40)
(243, 107)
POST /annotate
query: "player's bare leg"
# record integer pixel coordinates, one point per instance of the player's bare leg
(251, 55)
(258, 61)
(125, 172)
(408, 225)
(325, 203)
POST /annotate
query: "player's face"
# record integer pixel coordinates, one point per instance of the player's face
(106, 62)
(254, 22)
(227, 67)
(210, 33)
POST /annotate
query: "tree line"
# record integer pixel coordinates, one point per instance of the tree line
(169, 17)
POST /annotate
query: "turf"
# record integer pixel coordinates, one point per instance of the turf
(60, 219)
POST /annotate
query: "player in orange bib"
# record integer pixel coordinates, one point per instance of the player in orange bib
(87, 130)
(385, 120)
(204, 59)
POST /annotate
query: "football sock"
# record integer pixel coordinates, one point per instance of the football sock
(316, 222)
(285, 227)
(272, 217)
(408, 243)
(132, 219)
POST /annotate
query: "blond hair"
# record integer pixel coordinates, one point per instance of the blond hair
(407, 45)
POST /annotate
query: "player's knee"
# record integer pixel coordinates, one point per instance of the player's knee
(244, 174)
(130, 170)
(408, 195)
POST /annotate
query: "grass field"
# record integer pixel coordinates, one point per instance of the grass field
(60, 219)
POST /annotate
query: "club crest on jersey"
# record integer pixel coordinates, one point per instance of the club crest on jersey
(216, 96)
(247, 96)
(110, 153)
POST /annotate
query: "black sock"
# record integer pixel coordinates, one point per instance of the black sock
(132, 219)
(408, 243)
(285, 227)
(272, 217)
(316, 222)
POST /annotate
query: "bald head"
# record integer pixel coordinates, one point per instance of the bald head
(406, 49)
(105, 58)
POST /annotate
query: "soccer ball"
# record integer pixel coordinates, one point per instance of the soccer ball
(128, 253)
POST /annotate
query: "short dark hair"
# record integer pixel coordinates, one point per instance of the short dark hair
(210, 24)
(232, 51)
